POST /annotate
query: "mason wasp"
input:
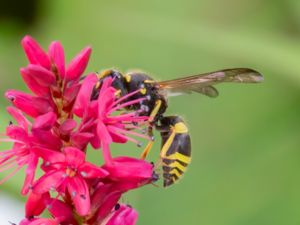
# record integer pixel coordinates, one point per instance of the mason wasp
(175, 151)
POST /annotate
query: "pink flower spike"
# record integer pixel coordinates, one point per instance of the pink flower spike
(35, 53)
(78, 64)
(57, 56)
(32, 106)
(33, 84)
(123, 215)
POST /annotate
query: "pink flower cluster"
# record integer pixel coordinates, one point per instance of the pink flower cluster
(55, 125)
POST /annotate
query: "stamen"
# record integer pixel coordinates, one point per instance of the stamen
(126, 96)
(125, 116)
(123, 131)
(7, 165)
(123, 105)
(11, 140)
(127, 138)
(10, 175)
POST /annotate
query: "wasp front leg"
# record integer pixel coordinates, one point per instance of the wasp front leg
(175, 148)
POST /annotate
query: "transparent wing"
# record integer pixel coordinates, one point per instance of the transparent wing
(203, 83)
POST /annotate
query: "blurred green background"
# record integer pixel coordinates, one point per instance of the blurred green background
(246, 142)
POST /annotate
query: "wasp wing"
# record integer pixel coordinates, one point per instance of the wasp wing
(203, 83)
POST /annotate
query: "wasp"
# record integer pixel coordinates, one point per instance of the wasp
(175, 151)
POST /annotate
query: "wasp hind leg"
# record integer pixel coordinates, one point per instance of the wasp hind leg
(175, 151)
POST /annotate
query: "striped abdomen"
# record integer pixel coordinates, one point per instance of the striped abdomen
(175, 152)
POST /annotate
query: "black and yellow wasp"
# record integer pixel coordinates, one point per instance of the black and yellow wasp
(175, 151)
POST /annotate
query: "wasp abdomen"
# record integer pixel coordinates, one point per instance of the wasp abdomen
(176, 149)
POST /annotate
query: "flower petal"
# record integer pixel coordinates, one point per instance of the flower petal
(88, 170)
(80, 140)
(45, 121)
(43, 76)
(49, 156)
(51, 180)
(57, 56)
(67, 126)
(33, 84)
(84, 95)
(74, 156)
(105, 197)
(30, 173)
(17, 133)
(19, 117)
(35, 204)
(47, 139)
(103, 133)
(78, 190)
(61, 211)
(124, 215)
(78, 64)
(32, 106)
(70, 95)
(127, 168)
(35, 53)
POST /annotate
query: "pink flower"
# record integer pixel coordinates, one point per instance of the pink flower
(68, 171)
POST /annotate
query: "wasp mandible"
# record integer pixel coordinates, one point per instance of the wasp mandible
(175, 151)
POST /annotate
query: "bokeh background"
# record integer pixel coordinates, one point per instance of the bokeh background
(246, 142)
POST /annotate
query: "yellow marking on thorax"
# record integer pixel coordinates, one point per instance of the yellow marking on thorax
(143, 91)
(118, 93)
(127, 78)
(180, 128)
(104, 73)
(155, 110)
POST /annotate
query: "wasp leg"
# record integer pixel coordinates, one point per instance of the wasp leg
(155, 110)
(149, 145)
(176, 148)
(150, 129)
(147, 150)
